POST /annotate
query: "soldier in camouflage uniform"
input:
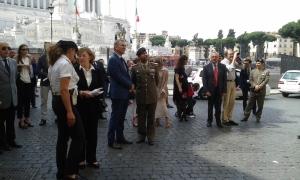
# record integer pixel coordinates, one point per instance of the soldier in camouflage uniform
(145, 78)
(258, 80)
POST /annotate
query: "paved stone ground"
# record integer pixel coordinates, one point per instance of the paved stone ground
(186, 150)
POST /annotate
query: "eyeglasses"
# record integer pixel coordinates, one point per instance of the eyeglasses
(24, 49)
(6, 47)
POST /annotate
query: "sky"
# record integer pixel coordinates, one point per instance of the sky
(188, 17)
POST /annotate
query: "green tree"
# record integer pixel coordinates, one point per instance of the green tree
(173, 42)
(229, 42)
(244, 41)
(182, 43)
(291, 30)
(258, 39)
(158, 40)
(200, 42)
(231, 33)
(220, 34)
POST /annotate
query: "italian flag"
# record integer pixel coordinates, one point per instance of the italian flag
(75, 4)
(137, 18)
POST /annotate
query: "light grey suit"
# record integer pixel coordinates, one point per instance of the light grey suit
(8, 88)
(9, 100)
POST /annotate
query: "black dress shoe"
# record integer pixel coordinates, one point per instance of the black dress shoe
(299, 137)
(43, 122)
(77, 177)
(125, 141)
(220, 126)
(151, 143)
(115, 146)
(96, 166)
(208, 124)
(140, 141)
(14, 144)
(5, 147)
(227, 123)
(244, 120)
(233, 123)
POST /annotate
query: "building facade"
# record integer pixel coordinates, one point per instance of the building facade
(29, 22)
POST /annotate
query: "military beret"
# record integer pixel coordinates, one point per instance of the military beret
(260, 60)
(67, 44)
(140, 51)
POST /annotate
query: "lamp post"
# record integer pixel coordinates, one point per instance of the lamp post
(51, 9)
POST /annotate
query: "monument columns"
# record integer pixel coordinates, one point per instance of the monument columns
(25, 3)
(99, 8)
(94, 5)
(89, 6)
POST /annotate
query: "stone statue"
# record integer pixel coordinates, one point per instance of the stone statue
(25, 21)
(195, 39)
(121, 32)
(17, 24)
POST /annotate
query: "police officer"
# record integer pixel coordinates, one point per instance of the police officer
(63, 81)
(258, 80)
(145, 78)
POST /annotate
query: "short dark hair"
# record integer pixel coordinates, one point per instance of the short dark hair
(196, 85)
(249, 60)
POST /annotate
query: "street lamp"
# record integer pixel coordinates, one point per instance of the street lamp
(51, 9)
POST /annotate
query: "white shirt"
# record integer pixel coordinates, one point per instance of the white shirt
(24, 74)
(62, 68)
(88, 74)
(231, 68)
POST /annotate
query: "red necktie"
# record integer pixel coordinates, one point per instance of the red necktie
(216, 75)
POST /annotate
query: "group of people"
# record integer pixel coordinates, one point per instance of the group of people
(76, 91)
(219, 84)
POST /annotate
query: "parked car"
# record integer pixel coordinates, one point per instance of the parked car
(197, 78)
(290, 83)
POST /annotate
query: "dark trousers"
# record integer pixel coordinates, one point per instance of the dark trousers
(89, 117)
(146, 113)
(191, 103)
(67, 164)
(245, 99)
(32, 91)
(182, 106)
(7, 133)
(116, 122)
(215, 100)
(24, 90)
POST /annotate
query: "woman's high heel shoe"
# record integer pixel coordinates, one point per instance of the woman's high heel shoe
(28, 124)
(22, 126)
(168, 123)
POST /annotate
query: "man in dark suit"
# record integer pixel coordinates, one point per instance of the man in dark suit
(120, 86)
(245, 84)
(145, 77)
(44, 84)
(8, 98)
(215, 86)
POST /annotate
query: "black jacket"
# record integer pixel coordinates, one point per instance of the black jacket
(43, 70)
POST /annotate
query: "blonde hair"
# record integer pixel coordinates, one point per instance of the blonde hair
(159, 62)
(89, 52)
(54, 51)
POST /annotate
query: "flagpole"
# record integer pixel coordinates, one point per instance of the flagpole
(137, 46)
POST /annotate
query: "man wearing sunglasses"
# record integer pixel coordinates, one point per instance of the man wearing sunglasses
(8, 98)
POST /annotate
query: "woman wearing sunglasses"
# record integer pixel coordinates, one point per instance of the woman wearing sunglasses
(23, 86)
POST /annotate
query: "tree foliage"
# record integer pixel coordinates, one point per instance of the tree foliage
(231, 33)
(182, 43)
(229, 42)
(220, 34)
(258, 39)
(173, 42)
(244, 40)
(158, 40)
(291, 30)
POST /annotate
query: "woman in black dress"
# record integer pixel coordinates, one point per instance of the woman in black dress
(88, 104)
(181, 87)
